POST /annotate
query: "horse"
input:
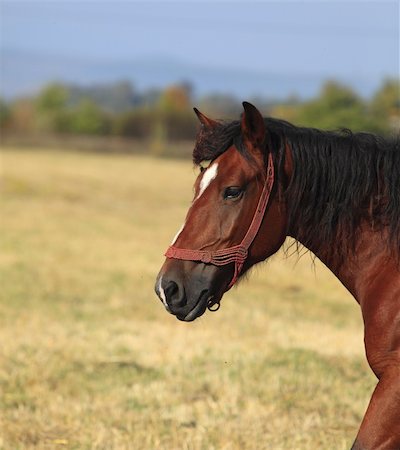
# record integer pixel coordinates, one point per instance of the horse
(337, 193)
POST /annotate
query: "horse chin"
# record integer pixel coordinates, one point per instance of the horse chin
(196, 312)
(199, 308)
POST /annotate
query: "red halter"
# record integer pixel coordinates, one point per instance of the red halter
(238, 253)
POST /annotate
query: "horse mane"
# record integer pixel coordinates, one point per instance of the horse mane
(340, 180)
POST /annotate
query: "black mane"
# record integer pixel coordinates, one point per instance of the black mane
(340, 179)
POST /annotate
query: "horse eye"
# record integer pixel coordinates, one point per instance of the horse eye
(232, 192)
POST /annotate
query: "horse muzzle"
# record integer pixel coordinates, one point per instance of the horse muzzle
(184, 295)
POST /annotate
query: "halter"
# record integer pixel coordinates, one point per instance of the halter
(238, 253)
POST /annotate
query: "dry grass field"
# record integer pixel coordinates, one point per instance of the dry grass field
(89, 359)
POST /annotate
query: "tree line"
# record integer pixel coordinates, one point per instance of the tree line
(166, 115)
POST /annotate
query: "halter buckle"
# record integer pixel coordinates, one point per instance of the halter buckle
(206, 258)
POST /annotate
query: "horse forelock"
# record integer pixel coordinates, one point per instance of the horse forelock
(212, 142)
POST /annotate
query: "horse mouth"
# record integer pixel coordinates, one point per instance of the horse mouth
(198, 309)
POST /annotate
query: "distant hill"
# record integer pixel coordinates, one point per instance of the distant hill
(23, 72)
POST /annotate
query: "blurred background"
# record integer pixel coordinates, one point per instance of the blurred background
(97, 130)
(134, 70)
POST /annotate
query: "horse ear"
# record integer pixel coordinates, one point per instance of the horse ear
(204, 120)
(253, 127)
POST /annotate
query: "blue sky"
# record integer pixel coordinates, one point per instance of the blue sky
(330, 39)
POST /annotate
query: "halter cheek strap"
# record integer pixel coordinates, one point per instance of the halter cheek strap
(238, 253)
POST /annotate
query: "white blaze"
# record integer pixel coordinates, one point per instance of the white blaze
(208, 176)
(177, 234)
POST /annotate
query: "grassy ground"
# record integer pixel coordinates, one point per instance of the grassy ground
(89, 359)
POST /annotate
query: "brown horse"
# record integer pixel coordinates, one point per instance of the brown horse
(338, 194)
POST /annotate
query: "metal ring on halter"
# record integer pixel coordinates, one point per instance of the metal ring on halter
(211, 305)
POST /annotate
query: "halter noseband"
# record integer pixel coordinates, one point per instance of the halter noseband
(238, 253)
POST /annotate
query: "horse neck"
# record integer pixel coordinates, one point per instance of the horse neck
(368, 255)
(364, 263)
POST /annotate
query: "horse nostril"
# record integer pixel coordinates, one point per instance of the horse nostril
(175, 296)
(171, 289)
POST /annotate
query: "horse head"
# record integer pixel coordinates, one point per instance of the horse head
(219, 240)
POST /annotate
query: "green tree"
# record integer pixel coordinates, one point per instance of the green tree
(336, 107)
(51, 108)
(88, 118)
(5, 114)
(385, 106)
